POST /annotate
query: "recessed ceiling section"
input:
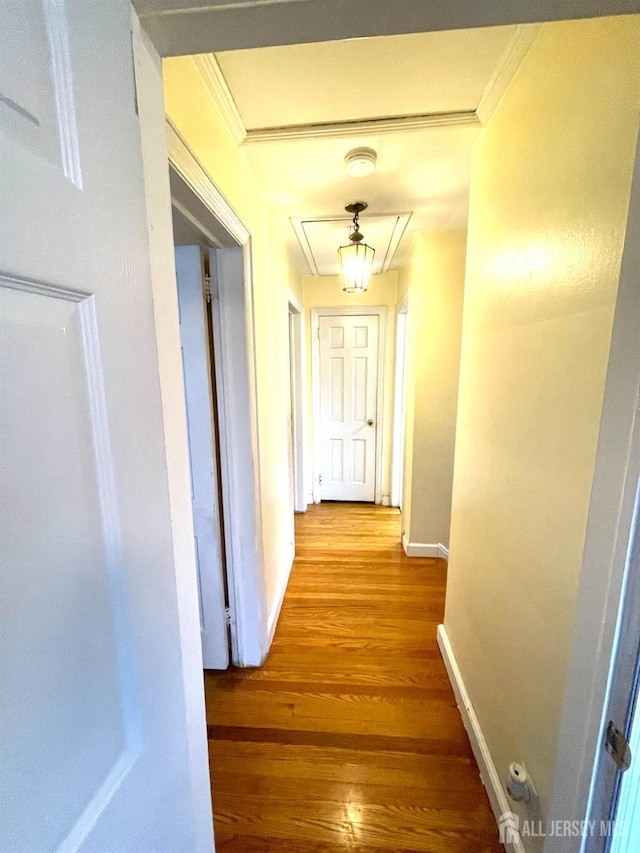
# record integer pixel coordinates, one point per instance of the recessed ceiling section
(419, 100)
(320, 239)
(344, 81)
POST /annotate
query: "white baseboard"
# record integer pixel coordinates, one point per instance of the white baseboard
(310, 499)
(386, 500)
(423, 549)
(276, 605)
(488, 771)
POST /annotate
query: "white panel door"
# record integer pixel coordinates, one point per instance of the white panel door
(94, 741)
(348, 398)
(196, 361)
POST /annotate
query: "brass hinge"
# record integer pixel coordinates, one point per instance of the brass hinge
(617, 746)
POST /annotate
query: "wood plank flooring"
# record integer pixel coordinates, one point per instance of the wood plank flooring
(348, 738)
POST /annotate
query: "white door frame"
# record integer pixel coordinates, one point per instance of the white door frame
(298, 399)
(379, 311)
(609, 532)
(399, 402)
(232, 311)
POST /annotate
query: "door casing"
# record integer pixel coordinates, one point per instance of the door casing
(298, 399)
(196, 196)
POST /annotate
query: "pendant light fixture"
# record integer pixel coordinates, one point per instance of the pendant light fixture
(356, 259)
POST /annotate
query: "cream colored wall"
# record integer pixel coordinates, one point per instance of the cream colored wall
(327, 292)
(433, 282)
(195, 116)
(549, 195)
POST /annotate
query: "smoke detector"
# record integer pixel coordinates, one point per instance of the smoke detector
(360, 162)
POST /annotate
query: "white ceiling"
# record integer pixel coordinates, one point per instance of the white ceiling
(419, 100)
(363, 78)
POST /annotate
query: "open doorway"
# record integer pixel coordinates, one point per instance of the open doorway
(399, 406)
(214, 289)
(296, 401)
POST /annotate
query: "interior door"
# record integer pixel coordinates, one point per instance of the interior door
(196, 360)
(95, 747)
(348, 407)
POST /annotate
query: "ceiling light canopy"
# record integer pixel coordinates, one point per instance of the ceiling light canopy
(360, 162)
(356, 259)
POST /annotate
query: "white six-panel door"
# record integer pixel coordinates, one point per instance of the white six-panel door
(94, 738)
(348, 415)
(196, 360)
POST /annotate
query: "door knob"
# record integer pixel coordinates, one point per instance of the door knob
(370, 422)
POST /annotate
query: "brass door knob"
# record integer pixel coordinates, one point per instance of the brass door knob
(370, 422)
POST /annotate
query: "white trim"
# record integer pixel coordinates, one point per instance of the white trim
(298, 224)
(213, 78)
(234, 338)
(362, 127)
(617, 471)
(148, 81)
(196, 176)
(294, 302)
(510, 61)
(386, 500)
(297, 364)
(276, 606)
(488, 771)
(436, 551)
(399, 401)
(379, 311)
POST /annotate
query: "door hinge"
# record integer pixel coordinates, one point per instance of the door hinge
(617, 745)
(210, 288)
(320, 480)
(227, 617)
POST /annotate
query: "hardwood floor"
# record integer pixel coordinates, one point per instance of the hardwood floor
(348, 738)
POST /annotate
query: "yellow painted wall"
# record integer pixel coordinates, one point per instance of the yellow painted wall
(550, 190)
(326, 292)
(433, 281)
(193, 113)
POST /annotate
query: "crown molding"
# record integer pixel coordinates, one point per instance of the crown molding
(510, 61)
(361, 127)
(213, 78)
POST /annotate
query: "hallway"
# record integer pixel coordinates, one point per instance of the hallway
(348, 738)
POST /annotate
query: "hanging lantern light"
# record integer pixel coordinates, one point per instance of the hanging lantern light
(356, 259)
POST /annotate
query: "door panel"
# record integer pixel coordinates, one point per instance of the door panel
(94, 737)
(196, 360)
(348, 401)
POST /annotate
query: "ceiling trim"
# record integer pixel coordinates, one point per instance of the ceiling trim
(215, 83)
(362, 127)
(213, 78)
(402, 221)
(505, 71)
